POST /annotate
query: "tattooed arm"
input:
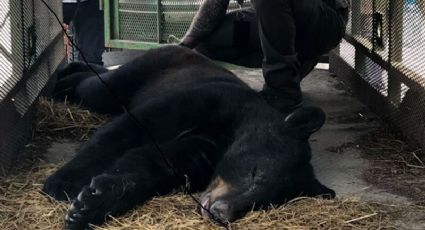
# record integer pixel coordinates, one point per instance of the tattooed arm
(208, 17)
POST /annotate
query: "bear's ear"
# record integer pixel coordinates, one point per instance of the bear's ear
(305, 121)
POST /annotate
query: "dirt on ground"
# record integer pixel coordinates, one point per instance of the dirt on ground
(395, 166)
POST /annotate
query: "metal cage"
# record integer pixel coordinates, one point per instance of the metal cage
(135, 24)
(31, 48)
(383, 58)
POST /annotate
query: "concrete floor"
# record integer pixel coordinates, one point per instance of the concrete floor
(347, 120)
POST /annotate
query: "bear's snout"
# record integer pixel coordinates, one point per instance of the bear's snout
(214, 206)
(218, 210)
(221, 211)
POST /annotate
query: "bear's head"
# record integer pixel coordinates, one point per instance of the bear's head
(269, 163)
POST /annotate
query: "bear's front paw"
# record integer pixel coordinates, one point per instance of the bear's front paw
(64, 186)
(104, 196)
(83, 210)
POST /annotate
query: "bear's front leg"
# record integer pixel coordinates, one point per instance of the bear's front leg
(106, 195)
(139, 175)
(94, 157)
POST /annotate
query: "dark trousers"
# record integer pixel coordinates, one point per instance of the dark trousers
(88, 26)
(286, 38)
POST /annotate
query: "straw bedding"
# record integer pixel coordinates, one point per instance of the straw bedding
(23, 207)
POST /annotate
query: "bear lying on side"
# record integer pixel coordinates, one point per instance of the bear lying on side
(211, 127)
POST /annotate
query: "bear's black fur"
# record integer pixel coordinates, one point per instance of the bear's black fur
(210, 127)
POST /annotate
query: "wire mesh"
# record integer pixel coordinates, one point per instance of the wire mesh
(11, 53)
(31, 49)
(138, 20)
(154, 20)
(385, 47)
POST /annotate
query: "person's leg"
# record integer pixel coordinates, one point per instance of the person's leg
(322, 32)
(68, 10)
(222, 43)
(89, 29)
(294, 33)
(281, 67)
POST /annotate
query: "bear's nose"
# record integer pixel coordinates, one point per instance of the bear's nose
(221, 211)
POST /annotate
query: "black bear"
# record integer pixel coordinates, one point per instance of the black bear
(189, 120)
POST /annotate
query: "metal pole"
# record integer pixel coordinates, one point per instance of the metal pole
(395, 55)
(159, 21)
(116, 26)
(356, 25)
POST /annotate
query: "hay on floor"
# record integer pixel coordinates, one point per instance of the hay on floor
(22, 206)
(65, 120)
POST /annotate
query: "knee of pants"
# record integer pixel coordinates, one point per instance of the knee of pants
(261, 5)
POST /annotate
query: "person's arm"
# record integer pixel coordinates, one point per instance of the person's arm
(208, 17)
(343, 4)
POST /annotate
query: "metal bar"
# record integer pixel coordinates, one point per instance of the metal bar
(159, 20)
(107, 20)
(16, 37)
(373, 25)
(137, 12)
(395, 51)
(127, 44)
(23, 37)
(6, 53)
(116, 26)
(356, 26)
(396, 30)
(396, 71)
(359, 60)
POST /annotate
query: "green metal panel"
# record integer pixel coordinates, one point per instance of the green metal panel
(143, 24)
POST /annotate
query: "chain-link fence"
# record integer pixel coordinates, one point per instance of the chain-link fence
(383, 57)
(31, 48)
(135, 24)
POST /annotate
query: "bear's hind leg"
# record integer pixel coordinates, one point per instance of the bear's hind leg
(79, 67)
(68, 78)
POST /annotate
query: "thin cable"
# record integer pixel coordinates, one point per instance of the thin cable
(110, 90)
(133, 118)
(4, 20)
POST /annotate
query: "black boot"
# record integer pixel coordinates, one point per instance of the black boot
(282, 101)
(282, 76)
